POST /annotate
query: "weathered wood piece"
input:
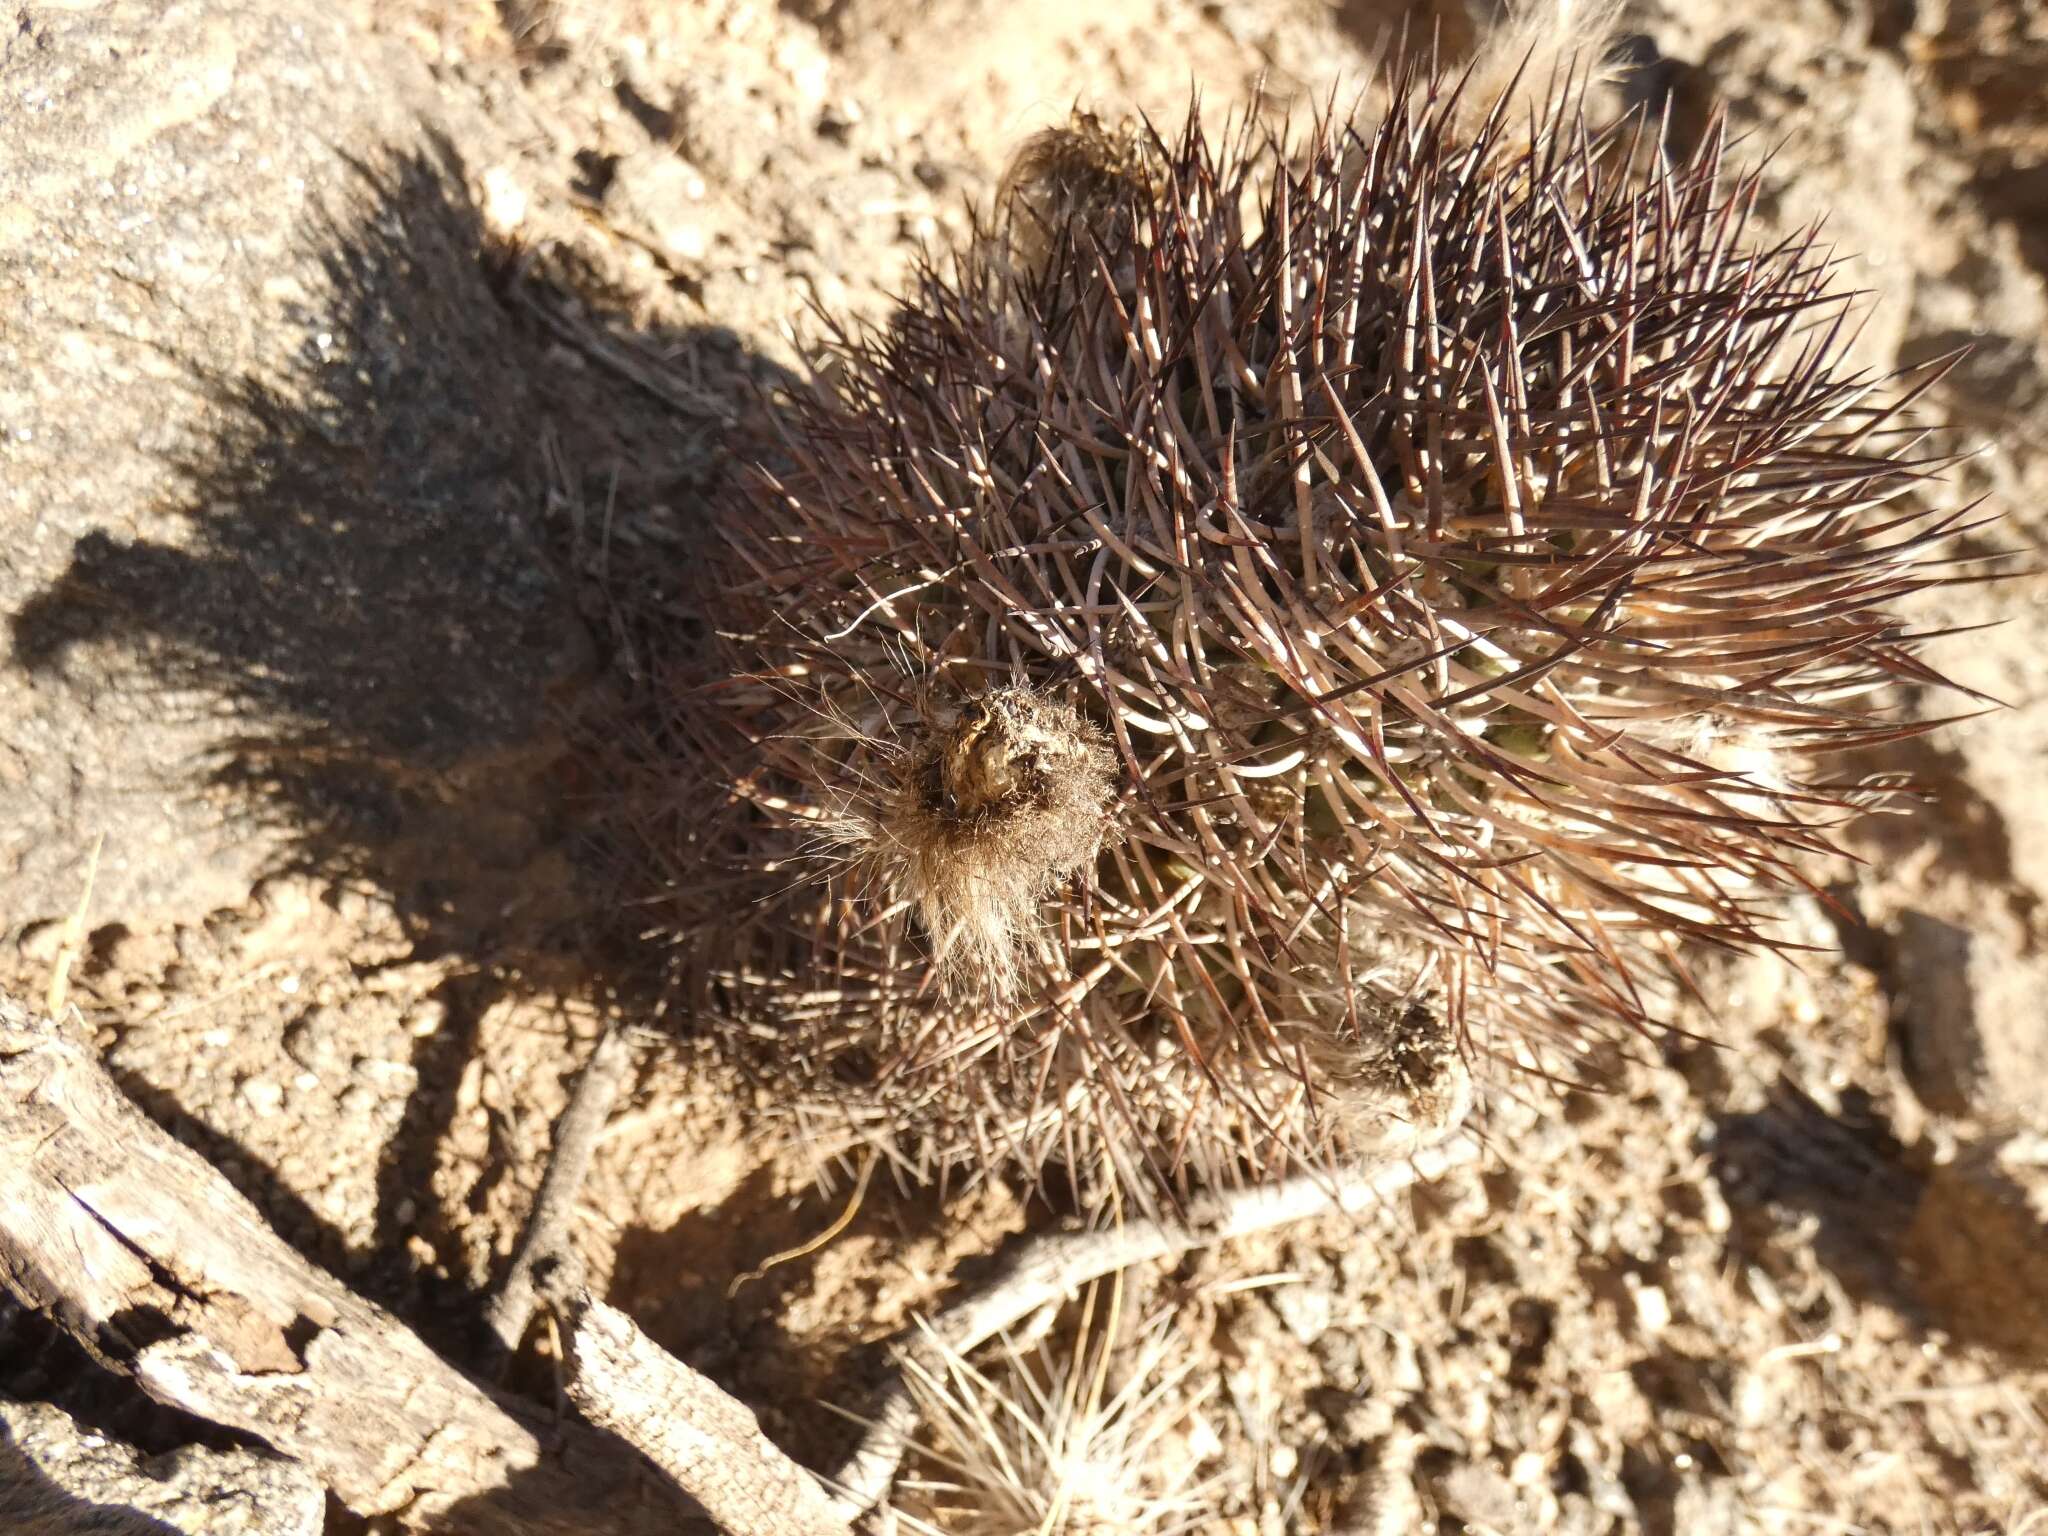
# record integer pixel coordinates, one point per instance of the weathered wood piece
(704, 1440)
(150, 1259)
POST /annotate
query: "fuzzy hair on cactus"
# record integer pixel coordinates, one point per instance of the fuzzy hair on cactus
(1306, 617)
(985, 817)
(1085, 172)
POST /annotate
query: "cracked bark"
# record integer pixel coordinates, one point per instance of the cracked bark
(704, 1440)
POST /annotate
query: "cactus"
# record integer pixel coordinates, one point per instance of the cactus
(1297, 621)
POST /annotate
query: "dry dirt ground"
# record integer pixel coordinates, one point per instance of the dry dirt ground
(1790, 1278)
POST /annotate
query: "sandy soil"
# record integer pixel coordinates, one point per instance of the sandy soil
(1791, 1278)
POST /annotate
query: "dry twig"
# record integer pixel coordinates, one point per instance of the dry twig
(159, 1268)
(706, 1442)
(546, 1239)
(1050, 1265)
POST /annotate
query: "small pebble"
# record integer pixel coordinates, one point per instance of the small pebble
(39, 942)
(1653, 1308)
(262, 1095)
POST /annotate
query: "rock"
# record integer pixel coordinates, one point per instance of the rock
(1988, 302)
(263, 1096)
(1708, 1506)
(58, 1478)
(1478, 1492)
(1988, 61)
(265, 452)
(1970, 1004)
(1305, 1309)
(723, 133)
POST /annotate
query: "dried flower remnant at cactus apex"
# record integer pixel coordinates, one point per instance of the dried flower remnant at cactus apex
(985, 817)
(1086, 173)
(1439, 527)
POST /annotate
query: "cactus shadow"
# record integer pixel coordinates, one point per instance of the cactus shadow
(382, 569)
(1957, 1248)
(354, 568)
(1844, 1174)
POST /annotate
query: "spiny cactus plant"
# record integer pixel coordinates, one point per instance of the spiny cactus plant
(1302, 617)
